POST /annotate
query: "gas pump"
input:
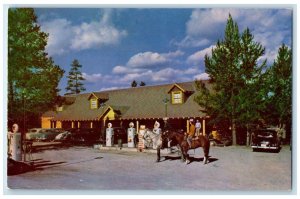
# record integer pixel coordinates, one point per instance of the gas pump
(109, 135)
(130, 135)
(14, 143)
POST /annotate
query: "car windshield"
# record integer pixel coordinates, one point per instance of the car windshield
(266, 134)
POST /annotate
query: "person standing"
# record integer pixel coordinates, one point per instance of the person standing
(198, 127)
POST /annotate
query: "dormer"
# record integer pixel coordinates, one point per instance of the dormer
(96, 98)
(178, 94)
(59, 108)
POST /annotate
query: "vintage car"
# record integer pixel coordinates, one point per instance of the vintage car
(79, 136)
(265, 139)
(33, 133)
(47, 134)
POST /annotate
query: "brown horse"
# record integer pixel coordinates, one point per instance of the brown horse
(200, 141)
(178, 139)
(172, 138)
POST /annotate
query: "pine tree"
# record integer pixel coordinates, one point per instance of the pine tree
(133, 83)
(142, 83)
(235, 73)
(33, 77)
(278, 92)
(75, 79)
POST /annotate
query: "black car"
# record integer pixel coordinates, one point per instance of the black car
(265, 139)
(83, 136)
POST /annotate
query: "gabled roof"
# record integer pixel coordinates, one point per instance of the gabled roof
(99, 95)
(133, 103)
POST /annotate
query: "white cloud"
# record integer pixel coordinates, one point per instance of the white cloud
(60, 32)
(146, 59)
(119, 70)
(93, 78)
(202, 76)
(64, 36)
(198, 56)
(152, 59)
(95, 35)
(270, 27)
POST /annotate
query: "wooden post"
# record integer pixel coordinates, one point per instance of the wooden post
(203, 124)
(91, 125)
(78, 124)
(72, 124)
(137, 126)
(187, 126)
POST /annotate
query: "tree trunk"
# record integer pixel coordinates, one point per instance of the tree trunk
(233, 130)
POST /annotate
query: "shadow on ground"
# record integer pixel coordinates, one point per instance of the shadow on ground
(192, 159)
(16, 167)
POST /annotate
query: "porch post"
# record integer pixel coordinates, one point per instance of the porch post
(137, 126)
(203, 124)
(187, 126)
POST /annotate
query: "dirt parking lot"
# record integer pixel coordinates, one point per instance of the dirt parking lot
(234, 168)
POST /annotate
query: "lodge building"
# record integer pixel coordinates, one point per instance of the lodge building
(144, 105)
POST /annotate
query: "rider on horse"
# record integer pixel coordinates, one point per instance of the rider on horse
(191, 133)
(156, 128)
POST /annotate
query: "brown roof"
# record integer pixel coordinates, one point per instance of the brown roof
(132, 103)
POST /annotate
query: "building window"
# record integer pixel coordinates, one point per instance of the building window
(59, 108)
(94, 103)
(177, 97)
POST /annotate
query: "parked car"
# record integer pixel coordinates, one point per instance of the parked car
(265, 139)
(32, 133)
(47, 134)
(83, 136)
(64, 136)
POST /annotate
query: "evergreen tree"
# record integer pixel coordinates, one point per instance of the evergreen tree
(32, 76)
(75, 79)
(234, 71)
(142, 83)
(278, 90)
(133, 83)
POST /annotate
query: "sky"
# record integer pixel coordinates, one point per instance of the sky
(156, 46)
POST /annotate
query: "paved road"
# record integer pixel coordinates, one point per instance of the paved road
(230, 169)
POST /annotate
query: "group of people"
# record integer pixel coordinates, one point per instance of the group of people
(194, 130)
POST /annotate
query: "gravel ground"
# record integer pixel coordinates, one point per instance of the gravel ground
(234, 168)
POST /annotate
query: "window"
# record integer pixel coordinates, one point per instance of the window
(59, 108)
(177, 97)
(94, 103)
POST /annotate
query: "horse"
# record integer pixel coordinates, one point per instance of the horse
(200, 141)
(153, 139)
(172, 138)
(180, 139)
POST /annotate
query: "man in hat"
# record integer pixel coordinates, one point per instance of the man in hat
(191, 132)
(156, 128)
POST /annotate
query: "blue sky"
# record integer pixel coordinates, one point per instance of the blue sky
(157, 46)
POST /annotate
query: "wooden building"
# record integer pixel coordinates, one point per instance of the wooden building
(141, 105)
